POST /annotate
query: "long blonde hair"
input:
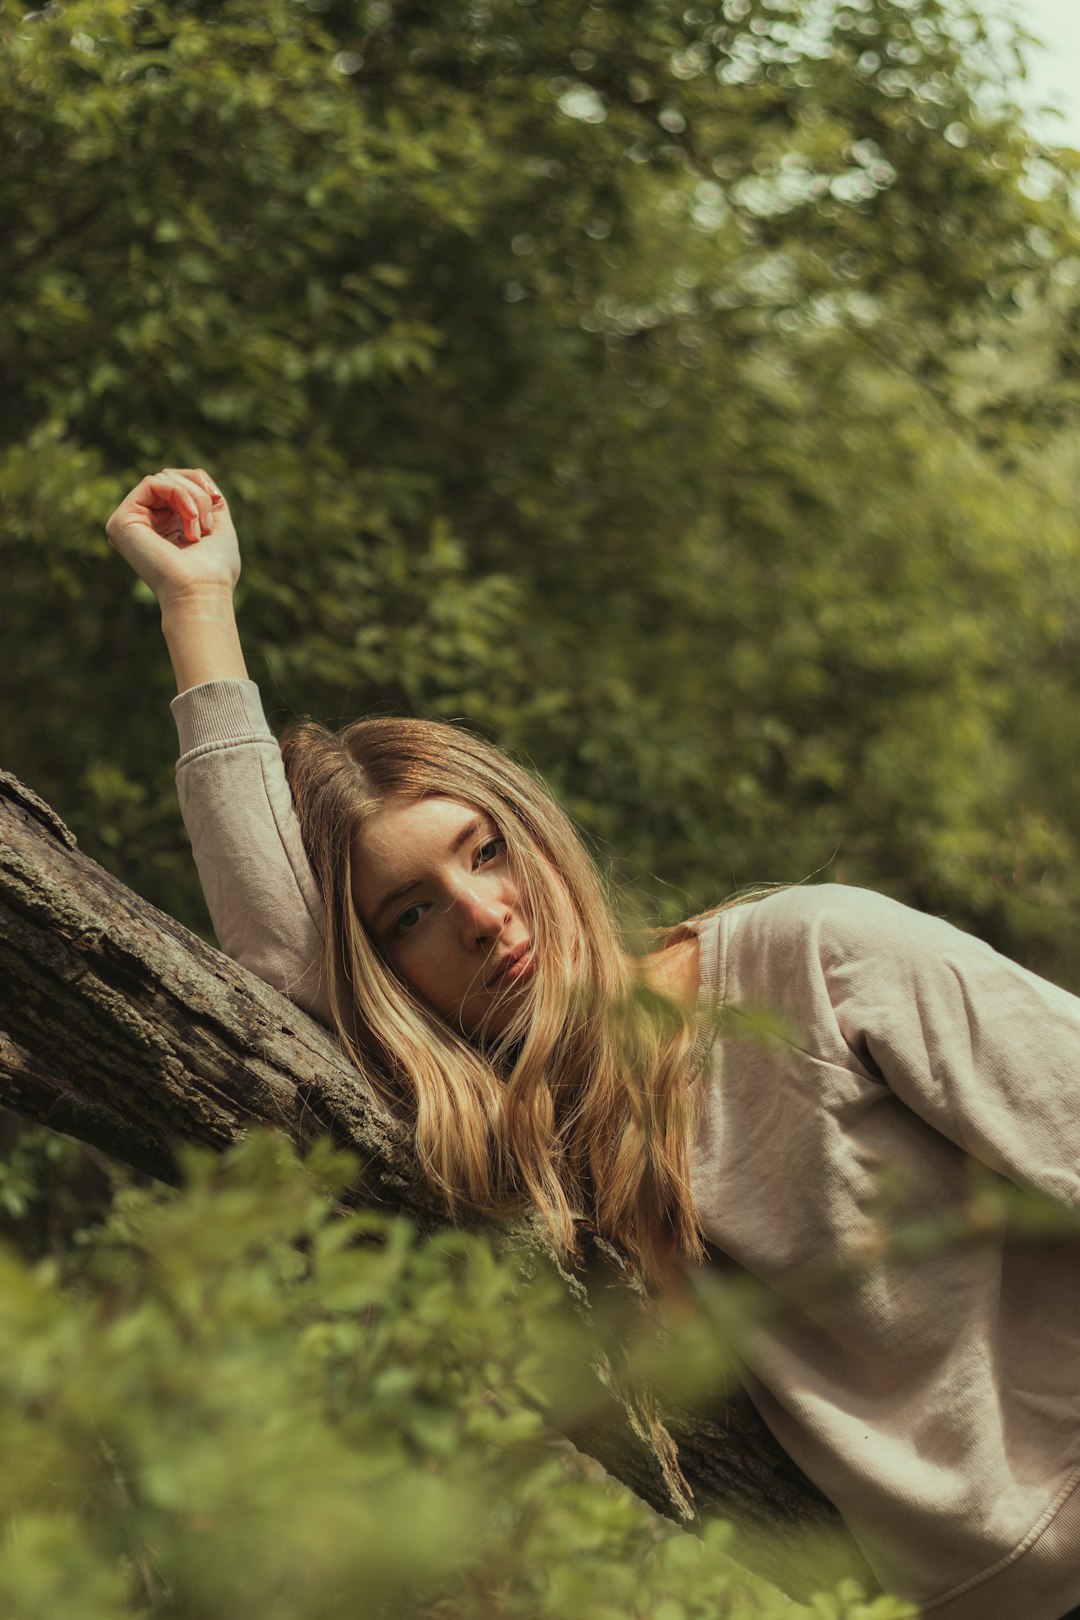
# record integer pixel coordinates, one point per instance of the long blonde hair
(583, 1104)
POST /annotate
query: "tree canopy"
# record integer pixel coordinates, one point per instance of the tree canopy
(606, 376)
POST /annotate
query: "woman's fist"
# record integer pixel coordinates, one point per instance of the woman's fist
(175, 530)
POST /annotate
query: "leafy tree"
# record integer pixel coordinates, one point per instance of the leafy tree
(567, 368)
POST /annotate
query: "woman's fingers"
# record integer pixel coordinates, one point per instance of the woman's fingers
(200, 476)
(176, 504)
(166, 506)
(155, 503)
(189, 493)
(198, 487)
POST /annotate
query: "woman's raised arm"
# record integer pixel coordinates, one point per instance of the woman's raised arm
(175, 530)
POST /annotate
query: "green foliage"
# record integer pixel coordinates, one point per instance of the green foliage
(683, 395)
(249, 1405)
(594, 373)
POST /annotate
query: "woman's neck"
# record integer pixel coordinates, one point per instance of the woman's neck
(674, 971)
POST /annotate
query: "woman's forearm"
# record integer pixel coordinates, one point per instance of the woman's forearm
(203, 640)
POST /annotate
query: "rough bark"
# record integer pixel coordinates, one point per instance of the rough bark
(123, 1030)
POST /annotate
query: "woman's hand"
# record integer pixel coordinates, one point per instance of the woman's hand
(175, 530)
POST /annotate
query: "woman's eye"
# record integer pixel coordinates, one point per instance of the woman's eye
(407, 920)
(490, 851)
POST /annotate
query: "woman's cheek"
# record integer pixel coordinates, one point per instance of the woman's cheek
(425, 970)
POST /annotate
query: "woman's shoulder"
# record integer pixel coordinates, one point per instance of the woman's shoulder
(779, 952)
(839, 929)
(806, 908)
(805, 905)
(796, 935)
(829, 922)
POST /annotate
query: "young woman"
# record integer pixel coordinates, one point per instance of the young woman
(421, 893)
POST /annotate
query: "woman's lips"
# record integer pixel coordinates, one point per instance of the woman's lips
(518, 965)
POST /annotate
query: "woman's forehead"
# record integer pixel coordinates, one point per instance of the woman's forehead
(404, 833)
(406, 815)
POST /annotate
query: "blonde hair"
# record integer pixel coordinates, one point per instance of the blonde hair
(583, 1104)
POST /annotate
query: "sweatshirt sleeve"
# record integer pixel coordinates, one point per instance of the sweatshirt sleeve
(984, 1050)
(235, 800)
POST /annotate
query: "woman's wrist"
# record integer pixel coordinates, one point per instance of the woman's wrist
(216, 595)
(200, 632)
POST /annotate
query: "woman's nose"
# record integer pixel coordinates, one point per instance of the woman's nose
(484, 916)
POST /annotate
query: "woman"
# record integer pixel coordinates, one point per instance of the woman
(417, 890)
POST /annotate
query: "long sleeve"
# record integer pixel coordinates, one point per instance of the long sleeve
(982, 1049)
(261, 893)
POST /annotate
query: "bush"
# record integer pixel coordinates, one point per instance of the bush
(244, 1404)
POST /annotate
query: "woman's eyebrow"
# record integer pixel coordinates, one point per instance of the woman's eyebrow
(477, 825)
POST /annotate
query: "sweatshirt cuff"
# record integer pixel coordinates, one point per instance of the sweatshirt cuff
(219, 712)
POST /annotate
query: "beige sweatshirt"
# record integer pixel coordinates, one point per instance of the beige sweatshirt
(935, 1401)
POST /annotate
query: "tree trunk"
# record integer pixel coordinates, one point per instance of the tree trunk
(123, 1030)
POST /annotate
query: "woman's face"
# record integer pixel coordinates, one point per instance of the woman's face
(433, 886)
